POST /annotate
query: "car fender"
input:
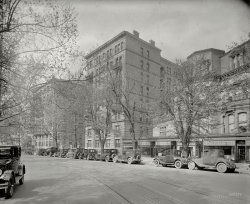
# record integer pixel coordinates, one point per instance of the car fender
(21, 168)
(7, 175)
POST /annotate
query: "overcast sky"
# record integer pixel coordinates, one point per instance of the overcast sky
(179, 27)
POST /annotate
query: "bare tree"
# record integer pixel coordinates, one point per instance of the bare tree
(191, 100)
(37, 41)
(101, 108)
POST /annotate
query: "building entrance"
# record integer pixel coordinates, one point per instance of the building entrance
(240, 150)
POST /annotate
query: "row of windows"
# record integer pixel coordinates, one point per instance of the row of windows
(237, 60)
(117, 129)
(107, 143)
(229, 122)
(105, 55)
(146, 76)
(142, 52)
(147, 66)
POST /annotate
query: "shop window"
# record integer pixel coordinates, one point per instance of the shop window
(231, 123)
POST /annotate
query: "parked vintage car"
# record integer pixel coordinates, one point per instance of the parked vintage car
(41, 152)
(71, 153)
(170, 157)
(108, 155)
(64, 153)
(50, 151)
(91, 154)
(213, 159)
(11, 169)
(79, 153)
(129, 156)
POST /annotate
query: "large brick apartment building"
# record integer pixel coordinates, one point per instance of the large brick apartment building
(142, 68)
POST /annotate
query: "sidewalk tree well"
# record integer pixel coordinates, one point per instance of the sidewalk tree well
(190, 100)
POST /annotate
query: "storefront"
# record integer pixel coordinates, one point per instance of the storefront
(145, 147)
(227, 145)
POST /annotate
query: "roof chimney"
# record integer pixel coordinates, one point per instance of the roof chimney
(136, 33)
(152, 42)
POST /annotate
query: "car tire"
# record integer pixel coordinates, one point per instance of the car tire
(191, 165)
(130, 160)
(221, 167)
(156, 162)
(21, 181)
(177, 164)
(10, 189)
(115, 159)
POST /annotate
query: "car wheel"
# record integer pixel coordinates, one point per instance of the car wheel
(21, 181)
(191, 165)
(177, 164)
(10, 190)
(106, 159)
(221, 167)
(115, 159)
(156, 162)
(129, 160)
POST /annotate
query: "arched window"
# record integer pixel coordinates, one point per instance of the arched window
(231, 123)
(242, 120)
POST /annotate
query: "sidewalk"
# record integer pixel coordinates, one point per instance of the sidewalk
(242, 168)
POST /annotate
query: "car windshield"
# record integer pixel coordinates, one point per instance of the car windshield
(5, 153)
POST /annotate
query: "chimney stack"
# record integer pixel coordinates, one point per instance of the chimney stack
(152, 42)
(136, 33)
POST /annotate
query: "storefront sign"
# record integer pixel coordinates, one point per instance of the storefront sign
(219, 143)
(163, 143)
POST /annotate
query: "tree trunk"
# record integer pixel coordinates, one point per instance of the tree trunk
(102, 143)
(132, 133)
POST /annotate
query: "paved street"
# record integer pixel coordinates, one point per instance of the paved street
(56, 180)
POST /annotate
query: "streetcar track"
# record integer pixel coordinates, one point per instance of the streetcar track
(217, 199)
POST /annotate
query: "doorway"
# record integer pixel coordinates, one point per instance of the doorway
(240, 150)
